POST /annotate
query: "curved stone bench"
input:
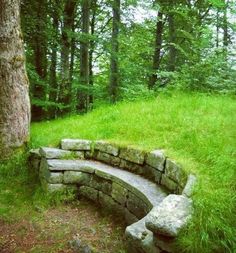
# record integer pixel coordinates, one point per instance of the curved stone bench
(135, 184)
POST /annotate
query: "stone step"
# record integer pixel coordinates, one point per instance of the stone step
(145, 189)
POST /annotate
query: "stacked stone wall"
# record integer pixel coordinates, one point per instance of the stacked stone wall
(141, 186)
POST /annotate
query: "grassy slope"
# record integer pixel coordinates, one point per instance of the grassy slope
(197, 130)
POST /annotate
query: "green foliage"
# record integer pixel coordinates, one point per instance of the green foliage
(198, 60)
(212, 74)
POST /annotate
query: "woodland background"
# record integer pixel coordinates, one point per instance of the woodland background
(84, 53)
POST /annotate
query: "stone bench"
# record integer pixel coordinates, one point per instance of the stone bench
(135, 184)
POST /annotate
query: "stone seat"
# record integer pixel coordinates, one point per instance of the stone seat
(146, 190)
(142, 194)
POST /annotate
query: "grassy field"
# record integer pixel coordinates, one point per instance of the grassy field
(197, 130)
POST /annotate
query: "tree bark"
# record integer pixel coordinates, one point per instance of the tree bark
(53, 91)
(91, 51)
(217, 28)
(84, 57)
(225, 27)
(157, 52)
(114, 64)
(172, 40)
(68, 23)
(14, 98)
(40, 57)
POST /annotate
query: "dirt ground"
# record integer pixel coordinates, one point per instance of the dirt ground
(50, 231)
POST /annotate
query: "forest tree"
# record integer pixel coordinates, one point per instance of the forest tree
(14, 99)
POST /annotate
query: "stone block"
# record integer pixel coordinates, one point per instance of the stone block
(71, 165)
(34, 163)
(130, 166)
(89, 193)
(137, 206)
(55, 187)
(101, 184)
(109, 203)
(175, 172)
(107, 158)
(169, 183)
(104, 157)
(106, 147)
(140, 239)
(35, 153)
(52, 188)
(79, 154)
(55, 178)
(189, 187)
(152, 173)
(119, 193)
(44, 172)
(170, 216)
(156, 159)
(34, 159)
(76, 144)
(129, 217)
(54, 153)
(89, 154)
(76, 177)
(115, 161)
(104, 174)
(132, 155)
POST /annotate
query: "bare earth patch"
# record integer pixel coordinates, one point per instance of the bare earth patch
(51, 231)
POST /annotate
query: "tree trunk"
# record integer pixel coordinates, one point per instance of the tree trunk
(157, 52)
(91, 51)
(14, 99)
(72, 57)
(114, 64)
(84, 57)
(217, 28)
(172, 40)
(225, 28)
(40, 58)
(53, 94)
(68, 23)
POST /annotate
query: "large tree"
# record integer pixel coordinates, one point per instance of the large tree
(114, 63)
(157, 49)
(14, 99)
(84, 56)
(66, 50)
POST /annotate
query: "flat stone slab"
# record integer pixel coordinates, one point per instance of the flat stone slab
(106, 147)
(132, 155)
(170, 216)
(54, 153)
(175, 172)
(70, 165)
(76, 144)
(143, 188)
(188, 189)
(156, 159)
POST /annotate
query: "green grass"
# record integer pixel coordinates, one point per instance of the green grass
(197, 130)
